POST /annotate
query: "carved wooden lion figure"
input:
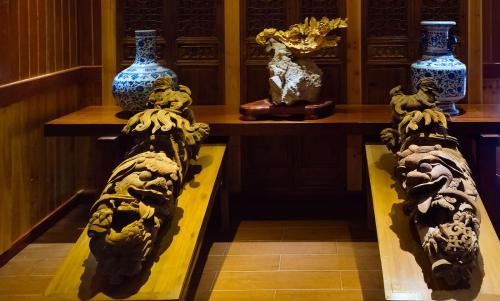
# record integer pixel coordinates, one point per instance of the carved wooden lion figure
(442, 202)
(124, 222)
(141, 194)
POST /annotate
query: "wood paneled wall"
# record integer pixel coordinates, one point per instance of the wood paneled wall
(43, 36)
(391, 37)
(47, 51)
(491, 51)
(381, 42)
(190, 41)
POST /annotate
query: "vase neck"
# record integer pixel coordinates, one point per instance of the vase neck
(436, 40)
(145, 47)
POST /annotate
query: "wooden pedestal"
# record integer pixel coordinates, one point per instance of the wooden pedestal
(265, 109)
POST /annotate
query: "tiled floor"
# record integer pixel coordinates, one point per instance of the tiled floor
(294, 260)
(266, 260)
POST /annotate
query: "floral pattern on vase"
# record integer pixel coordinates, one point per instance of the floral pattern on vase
(439, 63)
(132, 86)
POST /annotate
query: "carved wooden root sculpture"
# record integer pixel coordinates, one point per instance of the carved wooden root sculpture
(294, 76)
(141, 194)
(441, 195)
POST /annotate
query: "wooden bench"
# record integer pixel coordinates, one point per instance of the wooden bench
(400, 253)
(169, 277)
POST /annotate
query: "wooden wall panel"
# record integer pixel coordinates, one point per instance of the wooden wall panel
(41, 45)
(491, 52)
(4, 36)
(38, 172)
(42, 36)
(391, 36)
(190, 41)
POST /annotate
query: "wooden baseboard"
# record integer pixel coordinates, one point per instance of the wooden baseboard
(43, 225)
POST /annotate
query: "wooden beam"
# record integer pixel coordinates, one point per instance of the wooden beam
(232, 51)
(354, 63)
(475, 52)
(108, 34)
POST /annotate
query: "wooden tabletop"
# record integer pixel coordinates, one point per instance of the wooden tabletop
(225, 121)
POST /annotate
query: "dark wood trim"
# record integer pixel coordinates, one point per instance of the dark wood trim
(16, 91)
(43, 225)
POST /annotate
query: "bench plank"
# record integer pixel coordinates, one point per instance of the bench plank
(400, 253)
(169, 276)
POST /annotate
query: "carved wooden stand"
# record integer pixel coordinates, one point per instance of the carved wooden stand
(263, 108)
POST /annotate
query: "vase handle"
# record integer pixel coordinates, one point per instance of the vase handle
(452, 42)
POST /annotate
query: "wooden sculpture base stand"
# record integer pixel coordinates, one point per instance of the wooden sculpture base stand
(405, 266)
(261, 109)
(168, 277)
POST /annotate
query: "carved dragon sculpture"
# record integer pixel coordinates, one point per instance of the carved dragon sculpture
(441, 195)
(141, 193)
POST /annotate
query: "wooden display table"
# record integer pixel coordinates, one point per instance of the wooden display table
(169, 276)
(225, 121)
(400, 252)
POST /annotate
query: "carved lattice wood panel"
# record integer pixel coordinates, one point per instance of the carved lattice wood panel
(190, 41)
(294, 165)
(392, 32)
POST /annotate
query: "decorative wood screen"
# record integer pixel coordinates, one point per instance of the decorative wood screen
(190, 41)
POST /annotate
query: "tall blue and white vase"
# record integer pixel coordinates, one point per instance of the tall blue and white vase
(132, 86)
(439, 63)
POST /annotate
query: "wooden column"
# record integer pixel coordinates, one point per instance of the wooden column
(108, 17)
(475, 53)
(354, 39)
(354, 92)
(232, 51)
(232, 93)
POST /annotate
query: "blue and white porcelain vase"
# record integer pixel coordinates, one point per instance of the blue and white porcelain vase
(132, 86)
(439, 63)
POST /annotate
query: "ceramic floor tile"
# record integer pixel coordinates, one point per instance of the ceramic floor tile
(329, 295)
(330, 262)
(285, 247)
(242, 263)
(277, 280)
(261, 295)
(362, 280)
